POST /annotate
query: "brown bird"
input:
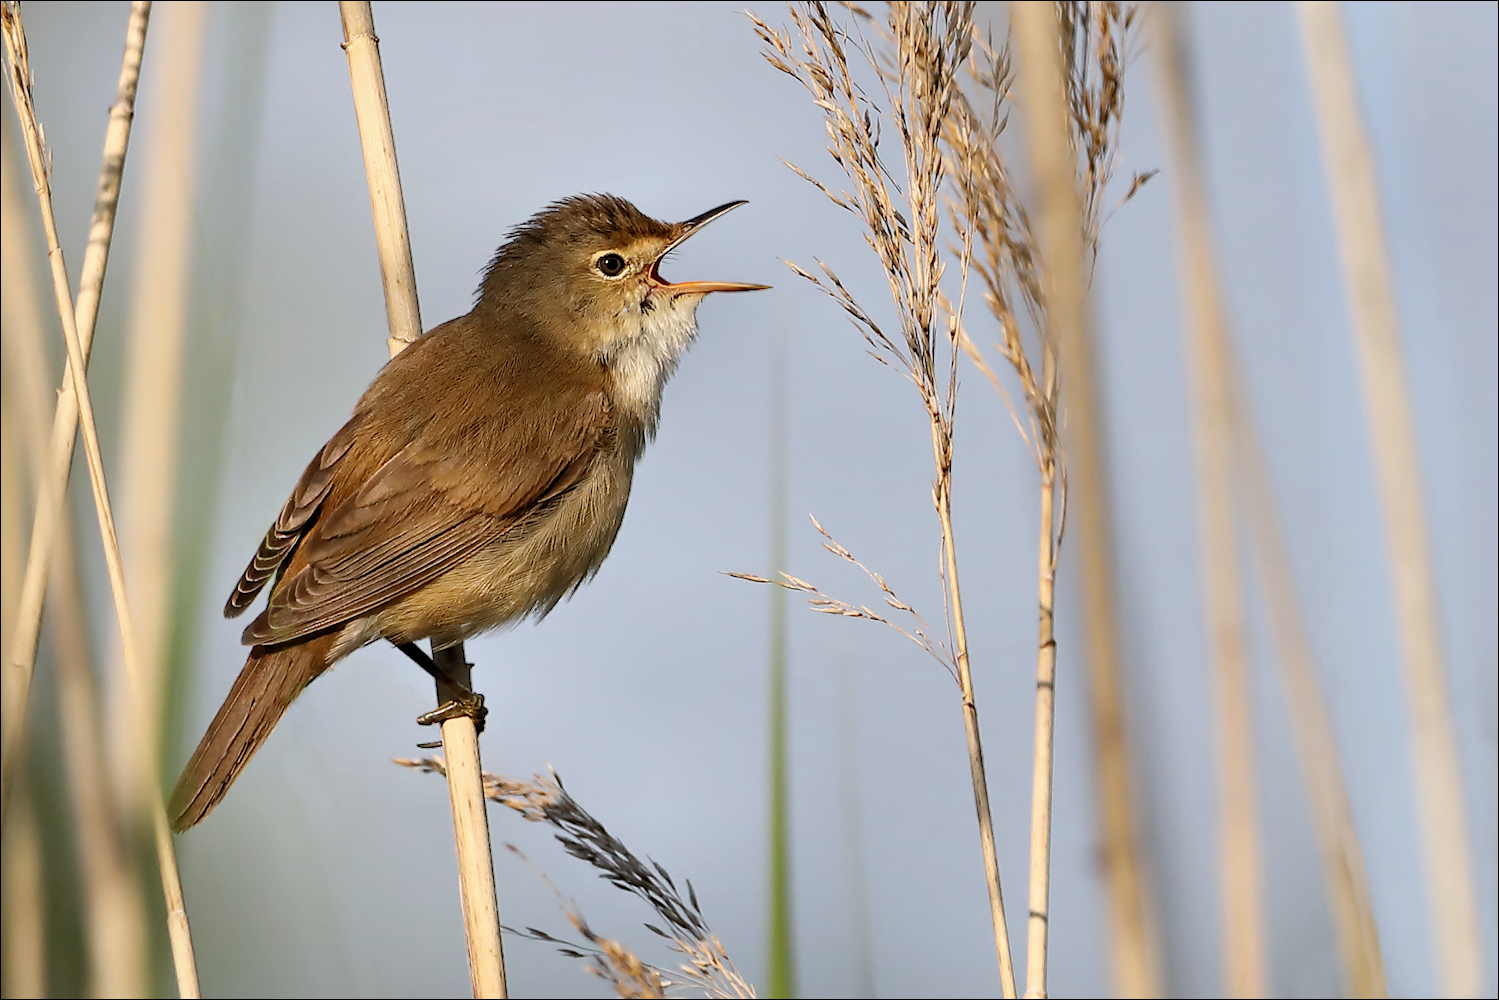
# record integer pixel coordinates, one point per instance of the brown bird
(483, 475)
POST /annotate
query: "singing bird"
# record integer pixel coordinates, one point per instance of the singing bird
(483, 475)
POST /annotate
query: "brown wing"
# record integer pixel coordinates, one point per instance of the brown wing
(425, 511)
(305, 500)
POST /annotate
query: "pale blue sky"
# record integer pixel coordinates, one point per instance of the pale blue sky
(329, 871)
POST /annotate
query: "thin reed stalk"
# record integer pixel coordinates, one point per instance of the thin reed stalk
(10, 478)
(23, 946)
(113, 903)
(156, 348)
(1211, 364)
(928, 44)
(225, 221)
(21, 312)
(851, 814)
(20, 661)
(460, 737)
(1094, 38)
(1064, 221)
(19, 78)
(23, 903)
(22, 922)
(1316, 741)
(1358, 221)
(782, 977)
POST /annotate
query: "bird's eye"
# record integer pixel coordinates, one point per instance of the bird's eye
(611, 265)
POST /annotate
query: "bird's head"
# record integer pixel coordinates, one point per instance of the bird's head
(586, 272)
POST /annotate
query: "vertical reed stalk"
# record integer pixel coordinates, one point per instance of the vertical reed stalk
(21, 653)
(1038, 927)
(20, 319)
(227, 172)
(113, 903)
(1354, 192)
(943, 496)
(23, 916)
(1061, 237)
(1316, 741)
(782, 948)
(23, 947)
(10, 462)
(851, 806)
(19, 78)
(1210, 360)
(460, 737)
(22, 903)
(157, 335)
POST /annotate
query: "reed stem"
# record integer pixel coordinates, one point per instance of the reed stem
(114, 907)
(1038, 928)
(1210, 361)
(782, 980)
(23, 903)
(1061, 236)
(156, 349)
(20, 661)
(971, 731)
(1354, 191)
(20, 81)
(1348, 895)
(460, 736)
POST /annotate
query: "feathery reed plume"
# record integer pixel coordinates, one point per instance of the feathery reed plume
(543, 799)
(918, 70)
(21, 653)
(1094, 39)
(1354, 191)
(156, 347)
(1072, 116)
(1210, 362)
(460, 736)
(114, 914)
(612, 961)
(19, 78)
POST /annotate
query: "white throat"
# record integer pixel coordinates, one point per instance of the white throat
(642, 360)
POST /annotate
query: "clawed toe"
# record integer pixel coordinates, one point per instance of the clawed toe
(471, 705)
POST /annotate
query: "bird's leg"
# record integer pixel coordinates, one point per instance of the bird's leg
(458, 697)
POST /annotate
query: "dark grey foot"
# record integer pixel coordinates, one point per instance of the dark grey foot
(470, 704)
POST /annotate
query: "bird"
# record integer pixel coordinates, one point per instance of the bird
(482, 477)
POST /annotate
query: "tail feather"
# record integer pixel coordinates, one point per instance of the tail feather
(266, 687)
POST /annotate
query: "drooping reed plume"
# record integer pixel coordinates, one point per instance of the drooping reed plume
(707, 968)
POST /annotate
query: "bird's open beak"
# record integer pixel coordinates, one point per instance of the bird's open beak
(699, 287)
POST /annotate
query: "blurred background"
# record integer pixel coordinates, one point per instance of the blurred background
(329, 871)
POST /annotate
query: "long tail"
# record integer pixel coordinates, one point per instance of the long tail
(270, 681)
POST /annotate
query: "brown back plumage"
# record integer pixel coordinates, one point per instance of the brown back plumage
(394, 500)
